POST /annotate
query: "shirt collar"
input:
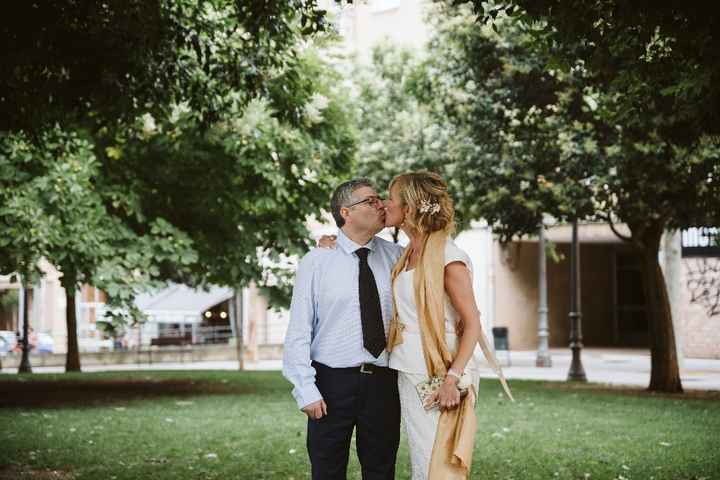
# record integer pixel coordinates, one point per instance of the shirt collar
(349, 246)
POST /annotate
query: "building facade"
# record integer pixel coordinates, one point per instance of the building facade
(613, 307)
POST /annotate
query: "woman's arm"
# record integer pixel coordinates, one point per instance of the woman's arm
(458, 285)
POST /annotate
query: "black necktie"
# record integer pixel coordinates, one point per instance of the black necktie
(370, 310)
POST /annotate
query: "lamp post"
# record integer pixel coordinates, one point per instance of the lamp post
(576, 372)
(238, 319)
(543, 354)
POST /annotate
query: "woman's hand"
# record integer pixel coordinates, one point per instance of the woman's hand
(327, 241)
(448, 393)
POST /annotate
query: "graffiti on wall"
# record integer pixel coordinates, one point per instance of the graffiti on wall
(703, 282)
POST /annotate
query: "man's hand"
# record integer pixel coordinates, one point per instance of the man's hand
(316, 410)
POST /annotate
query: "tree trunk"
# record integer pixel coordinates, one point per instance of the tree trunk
(664, 373)
(25, 366)
(72, 359)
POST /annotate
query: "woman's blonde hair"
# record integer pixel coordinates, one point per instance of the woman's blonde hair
(430, 206)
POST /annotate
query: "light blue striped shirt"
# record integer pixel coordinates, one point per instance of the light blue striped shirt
(325, 312)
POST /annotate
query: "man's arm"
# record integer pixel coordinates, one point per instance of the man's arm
(296, 356)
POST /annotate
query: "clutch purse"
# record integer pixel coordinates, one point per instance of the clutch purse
(428, 387)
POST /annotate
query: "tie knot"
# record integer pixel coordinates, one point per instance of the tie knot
(362, 253)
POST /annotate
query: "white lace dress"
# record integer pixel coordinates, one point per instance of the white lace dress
(408, 359)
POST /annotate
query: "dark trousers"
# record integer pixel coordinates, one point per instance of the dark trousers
(355, 400)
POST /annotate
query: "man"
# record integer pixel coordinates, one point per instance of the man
(335, 353)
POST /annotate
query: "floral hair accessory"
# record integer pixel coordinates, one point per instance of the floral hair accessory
(428, 207)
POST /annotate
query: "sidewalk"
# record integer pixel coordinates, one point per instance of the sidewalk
(608, 366)
(605, 366)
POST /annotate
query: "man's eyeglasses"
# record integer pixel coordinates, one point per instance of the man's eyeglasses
(373, 201)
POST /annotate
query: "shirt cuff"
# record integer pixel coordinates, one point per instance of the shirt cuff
(306, 395)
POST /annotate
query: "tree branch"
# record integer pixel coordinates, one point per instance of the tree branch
(622, 237)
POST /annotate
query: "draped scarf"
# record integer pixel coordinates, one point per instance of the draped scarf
(455, 437)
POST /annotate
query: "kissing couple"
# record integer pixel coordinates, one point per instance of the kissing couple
(378, 332)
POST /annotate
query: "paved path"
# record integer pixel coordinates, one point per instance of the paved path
(612, 367)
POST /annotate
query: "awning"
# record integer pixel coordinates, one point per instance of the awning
(181, 304)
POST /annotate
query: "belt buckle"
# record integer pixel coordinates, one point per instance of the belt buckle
(366, 368)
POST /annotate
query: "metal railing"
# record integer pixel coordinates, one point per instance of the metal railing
(192, 335)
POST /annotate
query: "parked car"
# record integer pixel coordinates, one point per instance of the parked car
(8, 341)
(45, 343)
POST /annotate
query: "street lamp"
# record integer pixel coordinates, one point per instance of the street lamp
(543, 354)
(577, 372)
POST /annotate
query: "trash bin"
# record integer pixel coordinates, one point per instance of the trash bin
(501, 341)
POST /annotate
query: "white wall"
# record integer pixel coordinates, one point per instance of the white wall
(478, 243)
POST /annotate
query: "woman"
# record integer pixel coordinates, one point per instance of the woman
(435, 328)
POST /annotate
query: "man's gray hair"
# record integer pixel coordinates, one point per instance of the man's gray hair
(342, 196)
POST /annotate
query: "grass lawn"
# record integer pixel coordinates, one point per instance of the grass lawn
(231, 425)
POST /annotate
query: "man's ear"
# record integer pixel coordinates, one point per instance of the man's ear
(345, 214)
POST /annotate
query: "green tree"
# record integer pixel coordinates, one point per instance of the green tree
(52, 208)
(399, 129)
(393, 125)
(589, 128)
(237, 114)
(25, 239)
(81, 61)
(242, 185)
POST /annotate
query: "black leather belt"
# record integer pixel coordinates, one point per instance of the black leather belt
(366, 368)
